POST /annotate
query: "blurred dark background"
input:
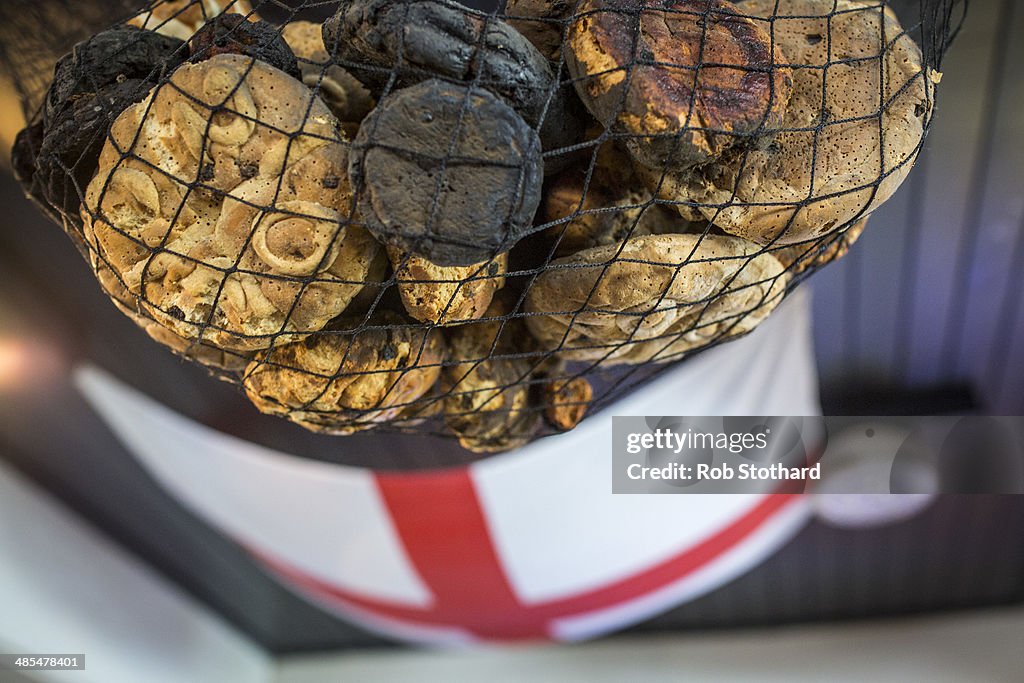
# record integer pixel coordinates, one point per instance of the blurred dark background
(928, 304)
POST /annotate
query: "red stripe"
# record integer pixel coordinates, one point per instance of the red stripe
(674, 568)
(449, 545)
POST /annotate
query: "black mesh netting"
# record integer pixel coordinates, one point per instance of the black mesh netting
(423, 217)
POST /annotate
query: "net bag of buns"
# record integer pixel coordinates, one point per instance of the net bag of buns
(414, 215)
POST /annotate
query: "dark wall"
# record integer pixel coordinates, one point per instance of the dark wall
(931, 294)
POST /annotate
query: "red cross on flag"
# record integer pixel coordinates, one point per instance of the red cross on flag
(530, 544)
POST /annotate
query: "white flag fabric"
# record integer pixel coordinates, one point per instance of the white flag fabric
(530, 544)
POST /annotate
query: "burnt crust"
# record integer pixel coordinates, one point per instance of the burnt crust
(113, 56)
(57, 156)
(233, 34)
(861, 102)
(636, 65)
(446, 172)
(391, 43)
(542, 22)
